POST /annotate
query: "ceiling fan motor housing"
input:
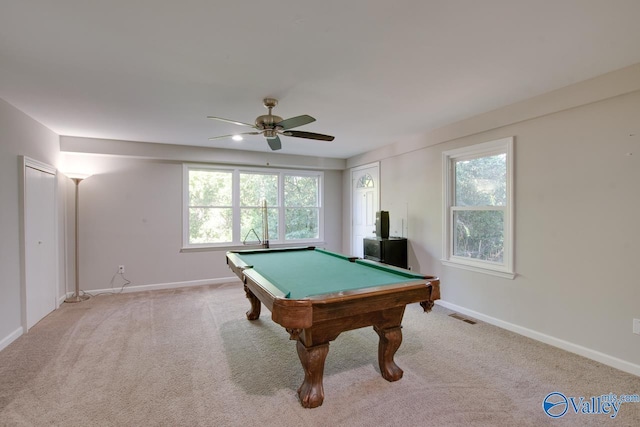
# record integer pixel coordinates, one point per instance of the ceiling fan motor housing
(268, 121)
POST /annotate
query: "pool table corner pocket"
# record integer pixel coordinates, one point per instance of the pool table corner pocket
(292, 314)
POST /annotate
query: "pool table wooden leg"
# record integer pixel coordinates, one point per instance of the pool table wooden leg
(311, 392)
(254, 313)
(390, 340)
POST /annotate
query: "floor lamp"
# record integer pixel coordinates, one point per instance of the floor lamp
(77, 178)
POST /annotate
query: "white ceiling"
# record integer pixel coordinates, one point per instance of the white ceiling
(372, 72)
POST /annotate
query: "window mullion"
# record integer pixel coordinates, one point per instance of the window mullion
(235, 202)
(281, 203)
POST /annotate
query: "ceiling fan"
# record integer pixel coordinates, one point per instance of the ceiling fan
(271, 126)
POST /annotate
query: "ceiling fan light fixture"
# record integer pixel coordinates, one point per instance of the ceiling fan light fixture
(270, 126)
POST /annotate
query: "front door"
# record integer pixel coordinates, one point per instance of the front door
(365, 191)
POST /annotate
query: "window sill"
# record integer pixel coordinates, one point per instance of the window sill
(499, 273)
(189, 249)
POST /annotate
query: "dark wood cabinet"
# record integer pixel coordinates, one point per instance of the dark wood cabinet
(392, 250)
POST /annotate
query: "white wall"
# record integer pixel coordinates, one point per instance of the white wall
(577, 223)
(131, 215)
(19, 135)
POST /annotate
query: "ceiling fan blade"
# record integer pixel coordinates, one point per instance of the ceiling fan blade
(235, 122)
(294, 122)
(308, 135)
(230, 136)
(274, 143)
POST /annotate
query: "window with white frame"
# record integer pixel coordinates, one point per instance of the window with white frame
(224, 206)
(478, 207)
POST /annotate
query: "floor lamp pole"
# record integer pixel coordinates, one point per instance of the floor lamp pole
(77, 297)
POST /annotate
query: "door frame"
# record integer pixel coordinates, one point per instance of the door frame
(24, 163)
(351, 195)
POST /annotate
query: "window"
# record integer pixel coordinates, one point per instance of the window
(210, 206)
(302, 212)
(254, 189)
(224, 206)
(478, 207)
(365, 181)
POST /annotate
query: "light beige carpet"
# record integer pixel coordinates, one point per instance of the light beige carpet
(189, 357)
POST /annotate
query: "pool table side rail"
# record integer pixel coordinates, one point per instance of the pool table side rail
(271, 250)
(371, 299)
(303, 313)
(332, 297)
(388, 267)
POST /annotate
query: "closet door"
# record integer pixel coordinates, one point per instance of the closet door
(40, 246)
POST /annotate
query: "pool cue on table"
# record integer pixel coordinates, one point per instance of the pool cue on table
(265, 225)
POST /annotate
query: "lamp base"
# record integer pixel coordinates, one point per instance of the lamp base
(77, 298)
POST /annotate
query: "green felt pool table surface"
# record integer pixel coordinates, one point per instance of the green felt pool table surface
(305, 273)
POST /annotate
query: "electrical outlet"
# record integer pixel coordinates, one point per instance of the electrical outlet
(121, 269)
(636, 326)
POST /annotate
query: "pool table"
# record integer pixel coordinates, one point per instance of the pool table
(316, 294)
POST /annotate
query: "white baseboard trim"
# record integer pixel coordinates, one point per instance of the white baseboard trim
(606, 359)
(160, 286)
(4, 343)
